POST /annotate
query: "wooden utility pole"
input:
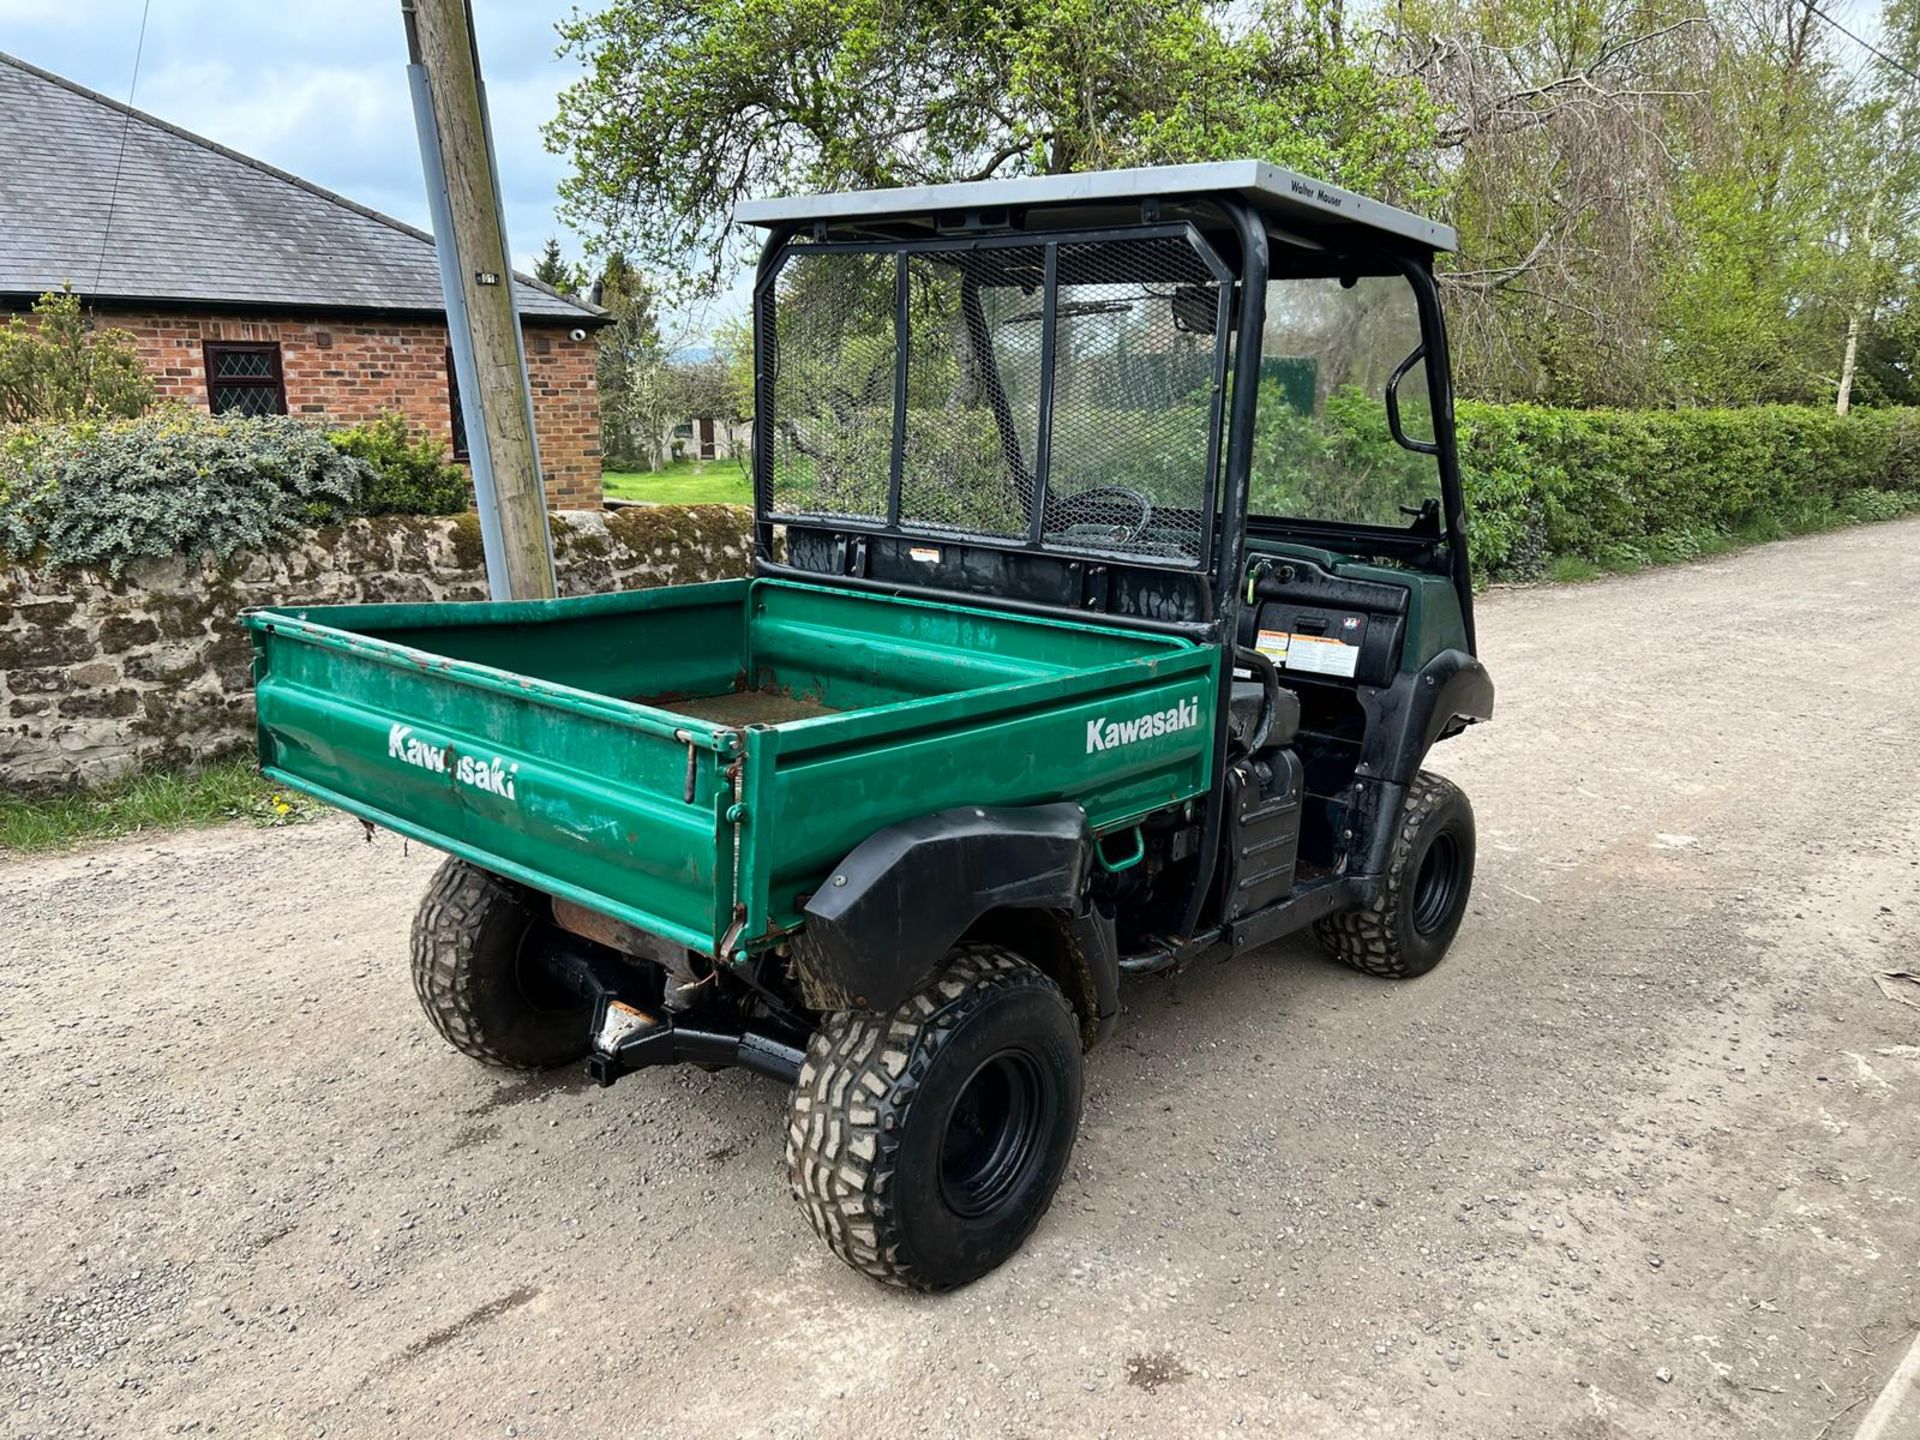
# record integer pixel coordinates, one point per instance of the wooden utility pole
(476, 277)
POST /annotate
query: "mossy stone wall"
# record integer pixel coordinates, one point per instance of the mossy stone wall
(102, 676)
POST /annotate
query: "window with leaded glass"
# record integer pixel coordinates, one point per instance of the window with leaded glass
(245, 378)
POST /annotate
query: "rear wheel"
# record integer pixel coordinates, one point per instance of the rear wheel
(477, 942)
(1408, 927)
(925, 1144)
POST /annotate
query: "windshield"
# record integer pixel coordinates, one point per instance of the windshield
(1323, 449)
(911, 390)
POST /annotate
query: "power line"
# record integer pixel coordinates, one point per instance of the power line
(1866, 45)
(120, 161)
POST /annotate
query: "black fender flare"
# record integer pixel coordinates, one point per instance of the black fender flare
(1405, 718)
(887, 915)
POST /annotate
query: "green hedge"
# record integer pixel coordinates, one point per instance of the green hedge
(106, 492)
(1624, 488)
(1613, 488)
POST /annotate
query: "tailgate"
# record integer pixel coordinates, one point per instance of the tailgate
(583, 796)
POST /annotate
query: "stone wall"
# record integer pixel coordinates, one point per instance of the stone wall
(99, 677)
(354, 370)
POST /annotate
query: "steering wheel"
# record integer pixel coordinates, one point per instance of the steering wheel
(1123, 534)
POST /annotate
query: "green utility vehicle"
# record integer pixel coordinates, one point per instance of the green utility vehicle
(1110, 588)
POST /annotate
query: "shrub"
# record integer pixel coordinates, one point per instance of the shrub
(1622, 488)
(410, 477)
(178, 482)
(56, 369)
(1339, 464)
(1597, 489)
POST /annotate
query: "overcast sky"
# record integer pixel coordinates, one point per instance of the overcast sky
(316, 87)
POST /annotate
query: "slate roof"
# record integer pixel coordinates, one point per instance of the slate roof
(195, 222)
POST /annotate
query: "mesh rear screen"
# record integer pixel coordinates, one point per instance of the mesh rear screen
(1135, 345)
(833, 372)
(1133, 367)
(973, 391)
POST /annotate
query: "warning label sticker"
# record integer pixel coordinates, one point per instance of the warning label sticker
(1323, 655)
(1316, 654)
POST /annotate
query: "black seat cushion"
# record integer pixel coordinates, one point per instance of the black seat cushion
(1243, 712)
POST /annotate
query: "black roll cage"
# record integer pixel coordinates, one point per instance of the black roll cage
(1222, 559)
(1218, 615)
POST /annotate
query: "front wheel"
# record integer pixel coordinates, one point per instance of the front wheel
(1406, 930)
(925, 1144)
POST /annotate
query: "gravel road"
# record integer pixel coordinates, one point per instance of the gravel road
(1641, 1159)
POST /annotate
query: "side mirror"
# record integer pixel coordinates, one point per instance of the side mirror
(1419, 447)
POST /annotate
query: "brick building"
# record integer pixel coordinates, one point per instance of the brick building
(249, 290)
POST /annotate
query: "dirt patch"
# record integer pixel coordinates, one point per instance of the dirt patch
(479, 1315)
(745, 707)
(1155, 1372)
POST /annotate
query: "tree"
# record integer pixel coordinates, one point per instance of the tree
(1656, 198)
(630, 357)
(644, 390)
(1759, 195)
(689, 106)
(732, 342)
(1557, 134)
(706, 388)
(1882, 254)
(57, 367)
(1659, 201)
(552, 268)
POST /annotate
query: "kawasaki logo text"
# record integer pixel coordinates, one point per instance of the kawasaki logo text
(1105, 734)
(494, 776)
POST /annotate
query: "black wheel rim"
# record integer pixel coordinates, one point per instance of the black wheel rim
(993, 1133)
(1436, 889)
(542, 992)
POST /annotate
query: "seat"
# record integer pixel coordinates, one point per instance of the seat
(1243, 713)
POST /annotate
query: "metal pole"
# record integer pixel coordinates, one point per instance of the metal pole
(476, 279)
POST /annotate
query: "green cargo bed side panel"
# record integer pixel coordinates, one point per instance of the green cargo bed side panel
(540, 738)
(1049, 741)
(572, 797)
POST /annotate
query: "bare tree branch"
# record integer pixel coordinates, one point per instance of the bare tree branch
(1486, 281)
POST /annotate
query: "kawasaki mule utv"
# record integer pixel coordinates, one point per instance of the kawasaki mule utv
(1110, 588)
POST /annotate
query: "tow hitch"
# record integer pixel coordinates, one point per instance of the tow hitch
(629, 1037)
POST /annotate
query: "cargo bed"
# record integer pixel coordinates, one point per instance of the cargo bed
(693, 760)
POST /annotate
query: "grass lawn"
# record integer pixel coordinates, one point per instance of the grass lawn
(163, 800)
(683, 482)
